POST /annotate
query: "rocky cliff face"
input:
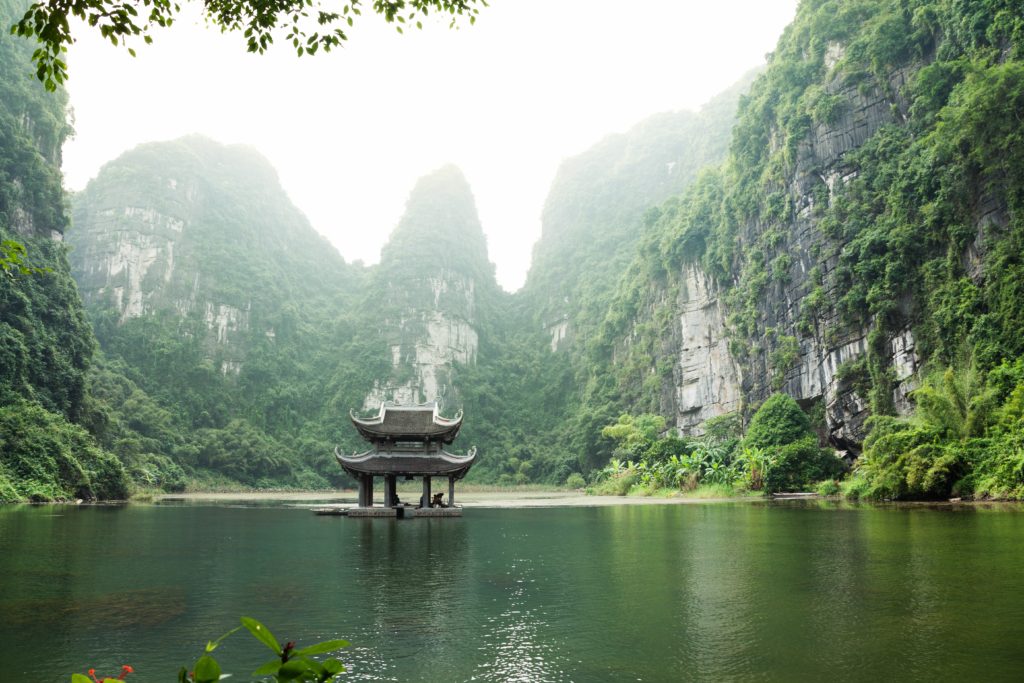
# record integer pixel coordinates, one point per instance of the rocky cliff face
(429, 286)
(793, 339)
(591, 221)
(803, 344)
(841, 232)
(707, 381)
(201, 237)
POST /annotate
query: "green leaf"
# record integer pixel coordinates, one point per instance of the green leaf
(207, 670)
(334, 666)
(213, 644)
(322, 648)
(270, 667)
(293, 668)
(79, 678)
(262, 634)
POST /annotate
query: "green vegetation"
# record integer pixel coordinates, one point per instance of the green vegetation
(43, 457)
(233, 357)
(782, 428)
(45, 341)
(918, 226)
(779, 452)
(965, 439)
(308, 26)
(290, 663)
(248, 342)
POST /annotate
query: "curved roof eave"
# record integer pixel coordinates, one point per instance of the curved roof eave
(399, 464)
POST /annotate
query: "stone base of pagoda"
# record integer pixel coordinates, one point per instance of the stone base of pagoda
(407, 512)
(435, 512)
(372, 512)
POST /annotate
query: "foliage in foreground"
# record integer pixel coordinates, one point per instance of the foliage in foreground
(309, 26)
(289, 664)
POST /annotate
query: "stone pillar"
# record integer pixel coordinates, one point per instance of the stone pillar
(389, 490)
(451, 491)
(425, 502)
(362, 491)
(369, 490)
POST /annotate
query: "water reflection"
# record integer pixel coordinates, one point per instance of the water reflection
(797, 591)
(512, 641)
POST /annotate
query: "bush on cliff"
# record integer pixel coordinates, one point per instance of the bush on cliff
(783, 429)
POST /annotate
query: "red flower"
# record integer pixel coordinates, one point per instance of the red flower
(125, 670)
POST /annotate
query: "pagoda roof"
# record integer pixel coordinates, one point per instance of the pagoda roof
(437, 464)
(412, 423)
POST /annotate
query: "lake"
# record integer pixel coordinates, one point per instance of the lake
(803, 590)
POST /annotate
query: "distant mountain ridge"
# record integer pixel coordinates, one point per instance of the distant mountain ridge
(191, 248)
(860, 223)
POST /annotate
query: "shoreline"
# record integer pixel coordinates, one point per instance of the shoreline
(468, 499)
(511, 499)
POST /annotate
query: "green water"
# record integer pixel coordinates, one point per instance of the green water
(746, 591)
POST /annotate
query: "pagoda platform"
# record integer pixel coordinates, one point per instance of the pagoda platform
(393, 512)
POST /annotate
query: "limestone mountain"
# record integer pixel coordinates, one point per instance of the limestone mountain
(202, 237)
(592, 218)
(433, 290)
(244, 333)
(220, 301)
(866, 222)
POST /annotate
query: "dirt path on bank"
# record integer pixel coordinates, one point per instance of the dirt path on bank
(468, 499)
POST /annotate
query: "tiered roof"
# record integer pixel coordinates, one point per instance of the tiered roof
(408, 440)
(408, 423)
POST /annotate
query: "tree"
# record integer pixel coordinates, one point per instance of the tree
(309, 25)
(782, 429)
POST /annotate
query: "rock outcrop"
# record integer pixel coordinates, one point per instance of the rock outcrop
(434, 272)
(201, 237)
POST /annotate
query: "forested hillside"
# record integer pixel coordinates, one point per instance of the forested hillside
(860, 249)
(235, 340)
(45, 340)
(854, 241)
(215, 304)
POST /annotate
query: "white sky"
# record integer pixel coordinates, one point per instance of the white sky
(533, 82)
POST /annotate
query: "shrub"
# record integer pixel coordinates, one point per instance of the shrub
(800, 463)
(779, 421)
(575, 481)
(829, 487)
(44, 457)
(781, 428)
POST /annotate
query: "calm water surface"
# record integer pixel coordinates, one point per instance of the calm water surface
(745, 591)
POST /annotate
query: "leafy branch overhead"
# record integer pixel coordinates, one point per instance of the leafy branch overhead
(309, 25)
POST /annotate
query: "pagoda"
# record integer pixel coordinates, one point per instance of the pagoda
(408, 441)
